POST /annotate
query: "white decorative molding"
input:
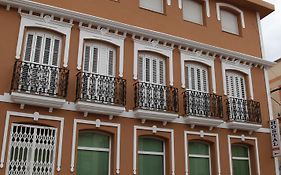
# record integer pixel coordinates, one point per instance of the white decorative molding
(28, 20)
(197, 57)
(154, 130)
(153, 47)
(203, 121)
(236, 125)
(36, 116)
(260, 35)
(97, 124)
(230, 65)
(229, 137)
(155, 115)
(99, 108)
(241, 13)
(102, 35)
(37, 100)
(207, 6)
(202, 134)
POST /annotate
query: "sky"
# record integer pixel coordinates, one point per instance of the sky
(271, 31)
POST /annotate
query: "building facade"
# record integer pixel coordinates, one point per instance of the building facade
(274, 75)
(134, 87)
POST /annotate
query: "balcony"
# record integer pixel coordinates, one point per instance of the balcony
(243, 114)
(100, 94)
(203, 108)
(155, 102)
(39, 85)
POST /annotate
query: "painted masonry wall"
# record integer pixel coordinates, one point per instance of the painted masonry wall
(275, 82)
(248, 44)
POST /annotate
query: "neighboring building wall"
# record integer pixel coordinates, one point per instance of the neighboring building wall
(274, 74)
(127, 127)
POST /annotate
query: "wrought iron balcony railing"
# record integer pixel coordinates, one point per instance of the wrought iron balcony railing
(243, 110)
(156, 97)
(202, 104)
(100, 89)
(39, 79)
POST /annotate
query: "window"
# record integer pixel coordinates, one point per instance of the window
(229, 22)
(196, 77)
(99, 58)
(151, 156)
(31, 150)
(235, 85)
(154, 5)
(42, 48)
(240, 160)
(193, 11)
(151, 68)
(93, 154)
(199, 158)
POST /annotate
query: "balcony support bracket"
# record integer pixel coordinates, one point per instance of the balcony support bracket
(86, 114)
(143, 121)
(110, 117)
(22, 106)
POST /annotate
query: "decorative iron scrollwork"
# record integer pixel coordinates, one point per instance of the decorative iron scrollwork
(243, 110)
(156, 97)
(202, 104)
(39, 79)
(100, 89)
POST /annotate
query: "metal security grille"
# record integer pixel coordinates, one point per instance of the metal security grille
(31, 150)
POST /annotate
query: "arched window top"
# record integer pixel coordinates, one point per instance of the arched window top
(221, 6)
(240, 150)
(93, 139)
(151, 144)
(198, 148)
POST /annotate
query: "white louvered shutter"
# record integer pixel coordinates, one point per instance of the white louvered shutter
(196, 77)
(28, 47)
(38, 47)
(193, 11)
(154, 5)
(47, 50)
(95, 60)
(86, 58)
(235, 85)
(140, 68)
(161, 72)
(229, 22)
(154, 71)
(147, 69)
(110, 63)
(56, 52)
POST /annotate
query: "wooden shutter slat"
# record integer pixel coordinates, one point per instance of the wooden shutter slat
(38, 49)
(28, 48)
(47, 51)
(162, 73)
(140, 68)
(56, 52)
(86, 58)
(147, 70)
(154, 71)
(110, 63)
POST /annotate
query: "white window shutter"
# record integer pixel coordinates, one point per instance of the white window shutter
(235, 85)
(192, 74)
(154, 5)
(243, 92)
(198, 73)
(95, 60)
(193, 11)
(86, 58)
(38, 45)
(28, 46)
(140, 68)
(154, 71)
(205, 80)
(162, 72)
(187, 74)
(147, 70)
(229, 22)
(56, 52)
(227, 85)
(110, 63)
(47, 49)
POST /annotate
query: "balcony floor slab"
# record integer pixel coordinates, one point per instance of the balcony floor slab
(203, 121)
(243, 126)
(155, 115)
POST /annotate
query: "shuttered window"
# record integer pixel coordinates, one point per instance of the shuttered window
(196, 77)
(99, 58)
(193, 11)
(235, 85)
(42, 48)
(229, 22)
(151, 68)
(154, 5)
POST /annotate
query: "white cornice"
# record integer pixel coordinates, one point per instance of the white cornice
(82, 17)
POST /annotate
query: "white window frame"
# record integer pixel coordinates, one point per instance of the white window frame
(153, 153)
(46, 23)
(41, 57)
(97, 123)
(148, 46)
(96, 44)
(203, 156)
(240, 12)
(102, 35)
(200, 67)
(202, 134)
(243, 138)
(35, 116)
(244, 158)
(239, 75)
(207, 6)
(197, 57)
(154, 130)
(152, 57)
(229, 65)
(108, 150)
